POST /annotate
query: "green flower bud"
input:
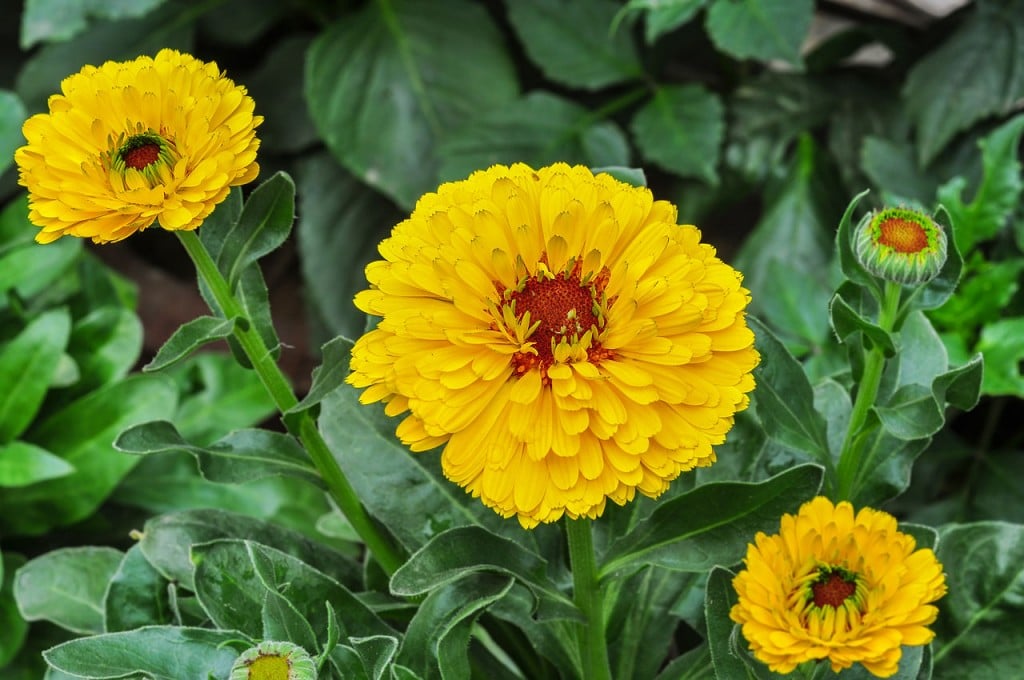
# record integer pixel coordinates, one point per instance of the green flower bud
(271, 660)
(901, 245)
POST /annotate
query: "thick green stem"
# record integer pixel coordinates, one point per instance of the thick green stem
(867, 393)
(587, 595)
(301, 425)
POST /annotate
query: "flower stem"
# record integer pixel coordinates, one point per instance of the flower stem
(301, 424)
(867, 392)
(587, 595)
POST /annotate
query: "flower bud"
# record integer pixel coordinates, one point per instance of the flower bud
(271, 660)
(901, 245)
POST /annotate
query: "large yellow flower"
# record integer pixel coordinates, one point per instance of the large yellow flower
(129, 143)
(560, 334)
(837, 586)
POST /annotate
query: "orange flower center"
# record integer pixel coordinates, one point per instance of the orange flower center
(139, 157)
(563, 308)
(833, 590)
(902, 235)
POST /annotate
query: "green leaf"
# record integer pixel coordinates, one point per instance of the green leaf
(847, 320)
(28, 364)
(167, 540)
(83, 433)
(437, 639)
(362, 439)
(33, 268)
(851, 267)
(189, 337)
(893, 169)
(376, 654)
(264, 224)
(980, 623)
(402, 66)
(719, 598)
(22, 464)
(287, 127)
(1002, 346)
(681, 130)
(329, 375)
(282, 621)
(784, 398)
(936, 292)
(641, 625)
(760, 29)
(711, 524)
(982, 295)
(459, 552)
(996, 197)
(978, 71)
(572, 44)
(66, 587)
(58, 20)
(341, 225)
(13, 628)
(12, 115)
(539, 129)
(692, 665)
(136, 595)
(241, 456)
(105, 345)
(233, 577)
(661, 16)
(158, 652)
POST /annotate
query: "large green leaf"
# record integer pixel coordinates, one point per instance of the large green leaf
(719, 598)
(168, 539)
(105, 345)
(233, 577)
(1002, 345)
(385, 85)
(67, 586)
(711, 524)
(784, 398)
(977, 72)
(463, 551)
(57, 20)
(981, 618)
(28, 363)
(341, 225)
(760, 29)
(240, 456)
(22, 464)
(538, 129)
(996, 197)
(137, 595)
(437, 638)
(264, 224)
(661, 16)
(158, 652)
(571, 41)
(681, 130)
(83, 433)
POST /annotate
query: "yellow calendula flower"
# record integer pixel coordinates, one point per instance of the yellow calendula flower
(836, 585)
(129, 143)
(560, 334)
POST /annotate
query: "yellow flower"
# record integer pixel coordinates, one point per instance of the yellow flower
(837, 586)
(560, 334)
(129, 143)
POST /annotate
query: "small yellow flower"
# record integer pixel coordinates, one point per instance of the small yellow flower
(837, 586)
(560, 334)
(129, 143)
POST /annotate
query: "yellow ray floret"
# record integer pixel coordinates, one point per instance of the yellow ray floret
(127, 144)
(560, 334)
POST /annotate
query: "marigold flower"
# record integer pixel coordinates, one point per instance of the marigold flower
(272, 660)
(837, 586)
(129, 143)
(900, 245)
(560, 334)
